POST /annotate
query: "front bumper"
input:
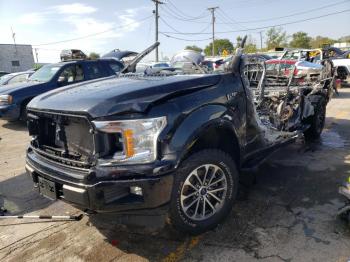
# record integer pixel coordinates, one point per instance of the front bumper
(99, 191)
(9, 112)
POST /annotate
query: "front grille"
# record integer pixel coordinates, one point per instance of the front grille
(70, 139)
(63, 138)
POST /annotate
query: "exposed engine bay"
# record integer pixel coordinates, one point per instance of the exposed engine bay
(281, 103)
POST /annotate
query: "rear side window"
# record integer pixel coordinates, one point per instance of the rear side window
(73, 73)
(116, 67)
(94, 70)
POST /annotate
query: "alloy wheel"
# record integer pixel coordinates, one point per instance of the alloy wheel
(203, 192)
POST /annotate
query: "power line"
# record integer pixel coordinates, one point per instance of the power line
(293, 14)
(265, 27)
(185, 15)
(177, 31)
(95, 34)
(184, 39)
(171, 16)
(175, 15)
(230, 19)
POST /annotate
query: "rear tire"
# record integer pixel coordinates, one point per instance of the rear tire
(205, 187)
(316, 121)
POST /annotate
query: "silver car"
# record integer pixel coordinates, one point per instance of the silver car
(15, 77)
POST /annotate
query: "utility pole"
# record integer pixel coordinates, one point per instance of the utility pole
(212, 10)
(36, 54)
(260, 32)
(156, 2)
(14, 38)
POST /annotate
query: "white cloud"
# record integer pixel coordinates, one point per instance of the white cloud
(32, 19)
(75, 21)
(84, 26)
(74, 9)
(128, 20)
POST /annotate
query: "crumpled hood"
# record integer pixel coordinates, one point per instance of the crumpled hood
(7, 89)
(119, 94)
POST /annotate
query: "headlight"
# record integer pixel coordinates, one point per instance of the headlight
(5, 99)
(139, 138)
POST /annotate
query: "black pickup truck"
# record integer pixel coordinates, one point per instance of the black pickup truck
(183, 141)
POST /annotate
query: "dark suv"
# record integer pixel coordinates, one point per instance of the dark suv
(169, 140)
(15, 97)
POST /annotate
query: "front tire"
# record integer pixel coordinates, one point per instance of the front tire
(204, 191)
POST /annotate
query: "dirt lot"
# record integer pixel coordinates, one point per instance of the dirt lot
(288, 215)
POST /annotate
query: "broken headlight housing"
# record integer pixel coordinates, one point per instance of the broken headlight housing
(139, 138)
(5, 100)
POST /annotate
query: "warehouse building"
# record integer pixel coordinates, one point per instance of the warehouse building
(16, 58)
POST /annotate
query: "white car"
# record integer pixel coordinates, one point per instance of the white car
(343, 69)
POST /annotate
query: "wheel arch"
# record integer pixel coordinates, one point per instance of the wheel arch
(210, 127)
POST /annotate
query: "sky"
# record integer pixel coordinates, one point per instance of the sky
(101, 26)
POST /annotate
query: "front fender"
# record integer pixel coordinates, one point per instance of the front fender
(194, 124)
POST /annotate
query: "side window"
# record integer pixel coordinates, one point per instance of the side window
(71, 74)
(94, 70)
(18, 79)
(116, 67)
(79, 73)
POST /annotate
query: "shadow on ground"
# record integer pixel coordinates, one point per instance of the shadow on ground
(18, 196)
(16, 125)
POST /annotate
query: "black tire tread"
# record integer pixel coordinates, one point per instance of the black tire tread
(195, 160)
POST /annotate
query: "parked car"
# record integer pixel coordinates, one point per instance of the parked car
(301, 69)
(177, 144)
(208, 65)
(15, 97)
(343, 69)
(15, 78)
(123, 56)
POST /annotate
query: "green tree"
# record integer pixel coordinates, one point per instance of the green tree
(320, 41)
(250, 45)
(194, 48)
(219, 46)
(275, 37)
(250, 48)
(300, 40)
(344, 39)
(94, 55)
